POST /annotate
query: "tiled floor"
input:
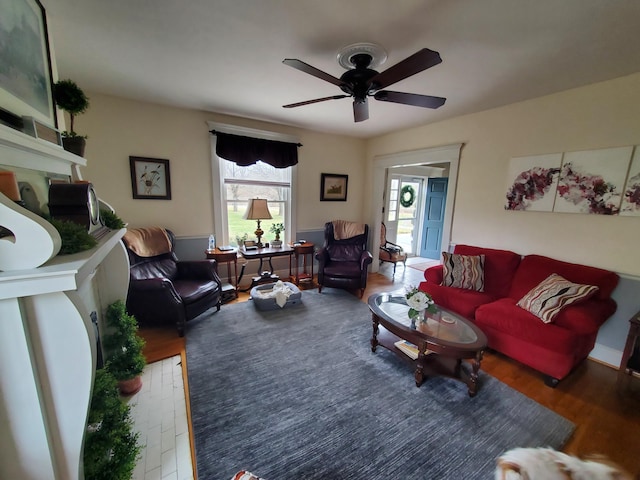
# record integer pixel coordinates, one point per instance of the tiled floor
(160, 416)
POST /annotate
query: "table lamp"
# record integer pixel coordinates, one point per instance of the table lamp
(257, 209)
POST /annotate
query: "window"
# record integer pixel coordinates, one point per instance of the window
(255, 181)
(235, 185)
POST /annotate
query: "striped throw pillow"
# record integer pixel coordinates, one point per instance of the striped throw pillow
(463, 271)
(549, 297)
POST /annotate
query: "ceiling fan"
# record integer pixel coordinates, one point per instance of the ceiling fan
(360, 81)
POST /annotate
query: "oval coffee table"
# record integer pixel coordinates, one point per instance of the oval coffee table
(442, 339)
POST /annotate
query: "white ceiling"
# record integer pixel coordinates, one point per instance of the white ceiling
(226, 55)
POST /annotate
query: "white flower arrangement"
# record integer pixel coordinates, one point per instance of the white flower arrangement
(418, 302)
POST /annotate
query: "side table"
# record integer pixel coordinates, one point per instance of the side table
(303, 250)
(230, 289)
(630, 364)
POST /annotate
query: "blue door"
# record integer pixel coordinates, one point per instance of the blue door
(431, 245)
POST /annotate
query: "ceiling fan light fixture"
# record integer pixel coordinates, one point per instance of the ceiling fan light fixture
(376, 52)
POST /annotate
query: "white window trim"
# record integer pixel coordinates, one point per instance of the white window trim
(220, 223)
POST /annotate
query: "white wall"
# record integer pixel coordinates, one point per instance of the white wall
(597, 116)
(118, 128)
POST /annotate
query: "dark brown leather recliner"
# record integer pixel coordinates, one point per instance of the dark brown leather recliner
(163, 289)
(343, 262)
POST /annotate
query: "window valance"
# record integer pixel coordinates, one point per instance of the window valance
(248, 150)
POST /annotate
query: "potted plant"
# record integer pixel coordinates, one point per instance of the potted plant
(123, 345)
(111, 446)
(276, 228)
(70, 98)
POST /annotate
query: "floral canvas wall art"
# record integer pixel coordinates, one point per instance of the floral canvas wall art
(593, 181)
(532, 182)
(631, 196)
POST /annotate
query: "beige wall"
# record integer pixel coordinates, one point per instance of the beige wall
(118, 128)
(597, 116)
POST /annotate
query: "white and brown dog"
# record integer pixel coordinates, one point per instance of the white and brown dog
(548, 464)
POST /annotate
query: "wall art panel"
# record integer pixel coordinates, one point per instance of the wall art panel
(593, 181)
(532, 182)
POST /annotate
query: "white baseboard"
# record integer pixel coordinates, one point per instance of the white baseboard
(607, 355)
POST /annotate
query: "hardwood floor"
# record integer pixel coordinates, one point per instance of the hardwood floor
(607, 419)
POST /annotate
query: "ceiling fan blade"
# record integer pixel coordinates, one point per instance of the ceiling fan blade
(309, 102)
(416, 63)
(306, 68)
(426, 101)
(360, 110)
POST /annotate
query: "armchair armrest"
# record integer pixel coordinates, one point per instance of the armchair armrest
(199, 269)
(434, 274)
(157, 287)
(322, 256)
(365, 259)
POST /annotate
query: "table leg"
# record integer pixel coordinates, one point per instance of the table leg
(473, 387)
(419, 373)
(374, 337)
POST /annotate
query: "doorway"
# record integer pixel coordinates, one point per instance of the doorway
(447, 155)
(403, 210)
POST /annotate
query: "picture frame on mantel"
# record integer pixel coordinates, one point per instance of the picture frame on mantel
(26, 87)
(333, 187)
(150, 178)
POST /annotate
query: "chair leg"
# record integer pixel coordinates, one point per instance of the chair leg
(394, 269)
(319, 288)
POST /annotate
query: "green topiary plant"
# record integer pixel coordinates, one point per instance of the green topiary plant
(70, 98)
(110, 447)
(276, 228)
(111, 220)
(123, 346)
(75, 237)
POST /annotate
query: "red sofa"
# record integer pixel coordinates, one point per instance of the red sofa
(554, 349)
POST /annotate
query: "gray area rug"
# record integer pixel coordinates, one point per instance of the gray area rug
(298, 394)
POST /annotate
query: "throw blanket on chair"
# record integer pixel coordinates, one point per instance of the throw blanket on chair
(147, 242)
(343, 229)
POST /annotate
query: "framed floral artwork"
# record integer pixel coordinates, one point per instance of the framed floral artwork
(150, 178)
(333, 187)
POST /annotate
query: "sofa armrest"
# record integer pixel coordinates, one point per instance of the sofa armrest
(434, 274)
(587, 317)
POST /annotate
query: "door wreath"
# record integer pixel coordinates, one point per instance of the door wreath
(407, 196)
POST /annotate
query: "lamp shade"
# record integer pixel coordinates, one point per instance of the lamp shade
(257, 209)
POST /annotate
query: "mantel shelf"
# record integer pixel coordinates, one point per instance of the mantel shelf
(61, 273)
(18, 149)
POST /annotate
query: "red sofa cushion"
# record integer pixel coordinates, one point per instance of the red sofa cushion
(499, 267)
(535, 268)
(462, 301)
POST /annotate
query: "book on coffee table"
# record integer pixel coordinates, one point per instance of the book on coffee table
(409, 349)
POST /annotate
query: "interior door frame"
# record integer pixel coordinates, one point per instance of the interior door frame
(428, 156)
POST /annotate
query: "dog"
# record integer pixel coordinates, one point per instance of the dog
(549, 464)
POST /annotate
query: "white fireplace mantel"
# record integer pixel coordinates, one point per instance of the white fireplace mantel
(47, 343)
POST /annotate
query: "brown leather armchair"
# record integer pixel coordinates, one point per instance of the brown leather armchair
(391, 252)
(344, 259)
(163, 289)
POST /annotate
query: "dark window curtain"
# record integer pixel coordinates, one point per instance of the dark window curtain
(248, 150)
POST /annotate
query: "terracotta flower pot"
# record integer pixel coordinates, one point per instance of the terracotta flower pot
(130, 387)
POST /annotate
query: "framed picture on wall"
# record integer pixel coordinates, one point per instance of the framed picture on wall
(25, 86)
(333, 187)
(150, 178)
